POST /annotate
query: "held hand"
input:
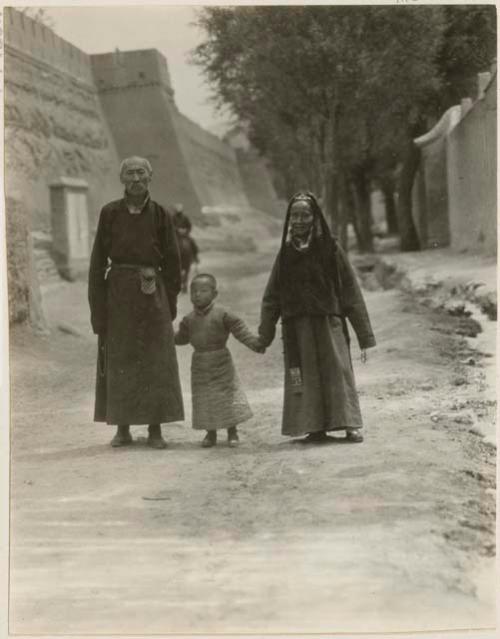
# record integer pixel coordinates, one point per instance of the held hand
(364, 356)
(259, 347)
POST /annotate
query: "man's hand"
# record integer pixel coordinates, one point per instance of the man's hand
(364, 356)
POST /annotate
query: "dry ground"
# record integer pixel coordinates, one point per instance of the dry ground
(394, 534)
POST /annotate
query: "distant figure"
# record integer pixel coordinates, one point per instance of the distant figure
(218, 398)
(187, 246)
(313, 289)
(134, 280)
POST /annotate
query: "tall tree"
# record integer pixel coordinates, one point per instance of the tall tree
(327, 91)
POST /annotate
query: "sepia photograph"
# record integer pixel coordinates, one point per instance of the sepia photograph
(250, 319)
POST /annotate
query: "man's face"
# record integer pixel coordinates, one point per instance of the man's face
(202, 293)
(136, 178)
(301, 219)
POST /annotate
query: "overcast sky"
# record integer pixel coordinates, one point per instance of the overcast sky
(167, 28)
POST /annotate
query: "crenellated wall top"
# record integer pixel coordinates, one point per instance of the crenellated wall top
(39, 41)
(126, 69)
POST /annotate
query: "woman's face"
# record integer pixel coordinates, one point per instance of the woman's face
(301, 219)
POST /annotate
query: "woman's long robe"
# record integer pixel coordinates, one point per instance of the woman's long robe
(137, 373)
(327, 399)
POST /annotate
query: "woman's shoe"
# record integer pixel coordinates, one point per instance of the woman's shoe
(354, 436)
(210, 439)
(317, 437)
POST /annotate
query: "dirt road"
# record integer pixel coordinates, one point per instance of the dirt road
(394, 534)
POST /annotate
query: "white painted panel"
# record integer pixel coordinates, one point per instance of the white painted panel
(78, 225)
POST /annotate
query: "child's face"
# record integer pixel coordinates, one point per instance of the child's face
(202, 293)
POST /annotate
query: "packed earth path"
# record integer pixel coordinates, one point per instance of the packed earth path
(393, 534)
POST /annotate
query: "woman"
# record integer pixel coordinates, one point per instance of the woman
(313, 289)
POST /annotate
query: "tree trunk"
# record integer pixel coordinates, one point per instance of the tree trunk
(332, 202)
(351, 208)
(345, 208)
(363, 210)
(387, 188)
(409, 240)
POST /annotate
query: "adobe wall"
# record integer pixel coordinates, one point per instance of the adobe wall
(257, 182)
(472, 176)
(40, 42)
(54, 124)
(137, 100)
(430, 202)
(76, 115)
(455, 194)
(431, 206)
(211, 164)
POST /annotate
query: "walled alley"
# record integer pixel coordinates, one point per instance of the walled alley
(394, 534)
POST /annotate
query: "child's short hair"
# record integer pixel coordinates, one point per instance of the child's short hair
(205, 276)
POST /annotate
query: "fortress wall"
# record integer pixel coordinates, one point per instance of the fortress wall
(53, 126)
(212, 165)
(68, 113)
(127, 69)
(38, 41)
(257, 182)
(139, 111)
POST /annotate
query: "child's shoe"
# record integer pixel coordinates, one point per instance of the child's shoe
(232, 437)
(210, 439)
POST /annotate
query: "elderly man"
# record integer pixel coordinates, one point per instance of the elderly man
(134, 281)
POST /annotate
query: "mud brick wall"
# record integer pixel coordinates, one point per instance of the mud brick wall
(137, 102)
(212, 165)
(257, 182)
(455, 193)
(54, 124)
(25, 302)
(76, 115)
(430, 196)
(472, 176)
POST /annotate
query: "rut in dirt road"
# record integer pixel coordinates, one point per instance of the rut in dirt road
(396, 533)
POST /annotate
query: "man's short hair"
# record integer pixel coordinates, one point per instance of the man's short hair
(136, 159)
(205, 276)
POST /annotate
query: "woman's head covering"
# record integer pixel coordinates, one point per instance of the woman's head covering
(319, 231)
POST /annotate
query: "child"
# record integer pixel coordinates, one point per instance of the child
(188, 249)
(217, 396)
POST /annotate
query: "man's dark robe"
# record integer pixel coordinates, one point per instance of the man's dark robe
(137, 372)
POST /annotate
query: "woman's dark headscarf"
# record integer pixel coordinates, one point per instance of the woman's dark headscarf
(320, 227)
(309, 279)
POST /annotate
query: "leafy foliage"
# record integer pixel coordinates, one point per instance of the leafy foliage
(329, 92)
